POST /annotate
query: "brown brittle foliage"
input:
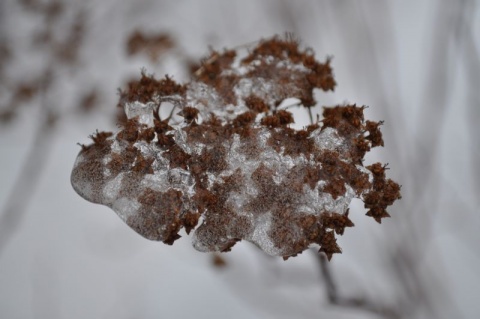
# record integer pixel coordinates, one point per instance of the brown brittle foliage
(235, 161)
(214, 71)
(148, 87)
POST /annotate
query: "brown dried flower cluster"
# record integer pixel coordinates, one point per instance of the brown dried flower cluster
(227, 166)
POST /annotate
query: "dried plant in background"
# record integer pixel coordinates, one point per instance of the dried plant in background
(59, 46)
(227, 159)
(154, 45)
(60, 39)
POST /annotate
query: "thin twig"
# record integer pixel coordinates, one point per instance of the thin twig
(310, 115)
(361, 303)
(26, 183)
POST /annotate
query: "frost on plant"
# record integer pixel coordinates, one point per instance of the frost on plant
(227, 167)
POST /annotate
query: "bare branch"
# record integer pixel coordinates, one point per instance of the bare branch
(358, 302)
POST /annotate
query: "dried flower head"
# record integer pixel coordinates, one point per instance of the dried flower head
(227, 166)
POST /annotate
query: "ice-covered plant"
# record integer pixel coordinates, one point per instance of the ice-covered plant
(227, 166)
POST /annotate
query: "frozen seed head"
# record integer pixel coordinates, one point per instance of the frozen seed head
(227, 166)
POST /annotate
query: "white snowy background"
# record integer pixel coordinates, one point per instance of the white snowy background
(416, 64)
